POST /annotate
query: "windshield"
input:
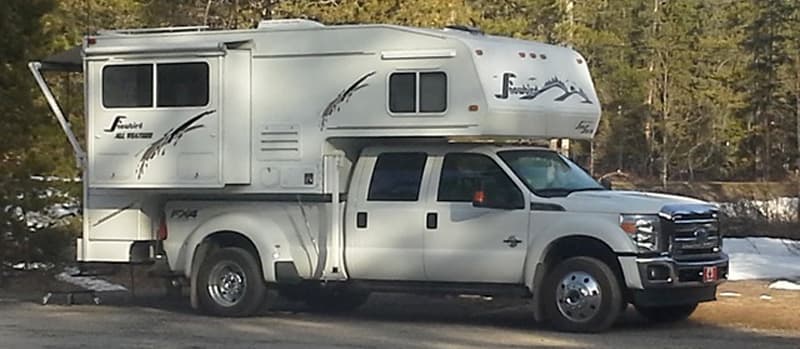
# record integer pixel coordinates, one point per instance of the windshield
(548, 174)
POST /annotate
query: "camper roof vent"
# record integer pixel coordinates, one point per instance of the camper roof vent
(465, 28)
(295, 23)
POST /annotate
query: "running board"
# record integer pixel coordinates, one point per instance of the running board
(80, 155)
(446, 288)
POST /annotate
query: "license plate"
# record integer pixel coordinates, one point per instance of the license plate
(710, 274)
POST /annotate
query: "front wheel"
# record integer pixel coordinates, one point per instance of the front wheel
(581, 294)
(230, 283)
(667, 313)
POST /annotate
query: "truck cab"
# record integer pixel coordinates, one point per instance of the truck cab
(505, 217)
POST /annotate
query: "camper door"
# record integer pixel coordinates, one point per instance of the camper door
(154, 123)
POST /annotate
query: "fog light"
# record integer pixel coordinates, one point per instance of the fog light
(658, 272)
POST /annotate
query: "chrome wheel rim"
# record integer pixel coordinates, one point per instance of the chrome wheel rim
(578, 296)
(227, 284)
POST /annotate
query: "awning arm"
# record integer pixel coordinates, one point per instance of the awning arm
(80, 155)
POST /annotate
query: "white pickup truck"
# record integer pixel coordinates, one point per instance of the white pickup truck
(327, 162)
(460, 218)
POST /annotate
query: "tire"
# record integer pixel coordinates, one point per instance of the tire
(668, 313)
(336, 299)
(581, 294)
(230, 283)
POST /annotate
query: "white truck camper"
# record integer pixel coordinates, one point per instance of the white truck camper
(328, 162)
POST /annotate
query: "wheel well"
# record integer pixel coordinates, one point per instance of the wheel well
(576, 246)
(568, 247)
(224, 239)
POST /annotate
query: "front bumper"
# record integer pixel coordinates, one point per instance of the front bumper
(666, 272)
(663, 281)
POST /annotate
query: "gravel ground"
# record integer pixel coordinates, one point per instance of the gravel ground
(389, 321)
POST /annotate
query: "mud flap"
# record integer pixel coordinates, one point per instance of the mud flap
(199, 256)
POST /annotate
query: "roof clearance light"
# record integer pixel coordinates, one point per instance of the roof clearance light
(522, 55)
(533, 55)
(473, 107)
(479, 52)
(91, 40)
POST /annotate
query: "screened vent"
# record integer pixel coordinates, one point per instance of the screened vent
(279, 142)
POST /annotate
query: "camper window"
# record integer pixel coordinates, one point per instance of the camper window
(403, 93)
(397, 177)
(128, 86)
(411, 93)
(432, 92)
(183, 84)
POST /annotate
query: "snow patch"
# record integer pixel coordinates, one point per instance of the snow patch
(785, 285)
(730, 294)
(762, 258)
(782, 209)
(88, 282)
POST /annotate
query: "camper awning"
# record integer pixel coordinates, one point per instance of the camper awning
(67, 61)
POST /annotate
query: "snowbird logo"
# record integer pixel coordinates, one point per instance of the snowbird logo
(529, 91)
(118, 124)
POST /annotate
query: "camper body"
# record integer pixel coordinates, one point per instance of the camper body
(330, 161)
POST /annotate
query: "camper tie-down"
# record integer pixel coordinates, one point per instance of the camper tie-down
(328, 162)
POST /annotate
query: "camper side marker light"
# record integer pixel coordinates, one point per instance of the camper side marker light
(522, 55)
(91, 40)
(479, 52)
(473, 107)
(580, 61)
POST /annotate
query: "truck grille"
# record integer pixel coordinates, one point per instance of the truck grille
(691, 232)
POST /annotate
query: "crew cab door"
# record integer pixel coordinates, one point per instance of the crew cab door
(464, 243)
(384, 219)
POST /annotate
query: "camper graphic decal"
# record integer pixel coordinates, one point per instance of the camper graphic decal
(529, 90)
(343, 97)
(157, 148)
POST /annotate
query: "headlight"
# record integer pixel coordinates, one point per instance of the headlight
(642, 229)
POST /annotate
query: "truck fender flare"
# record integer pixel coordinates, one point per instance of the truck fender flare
(241, 224)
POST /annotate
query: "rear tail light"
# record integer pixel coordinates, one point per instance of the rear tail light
(162, 233)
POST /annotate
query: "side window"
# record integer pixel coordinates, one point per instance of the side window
(128, 86)
(463, 174)
(182, 84)
(418, 92)
(397, 177)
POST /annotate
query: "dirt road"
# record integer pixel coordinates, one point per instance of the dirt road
(392, 321)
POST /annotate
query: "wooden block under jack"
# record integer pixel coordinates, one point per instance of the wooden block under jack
(70, 296)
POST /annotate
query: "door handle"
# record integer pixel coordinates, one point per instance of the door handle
(361, 220)
(512, 241)
(432, 220)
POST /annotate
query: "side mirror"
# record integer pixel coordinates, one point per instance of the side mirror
(606, 183)
(479, 199)
(483, 199)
